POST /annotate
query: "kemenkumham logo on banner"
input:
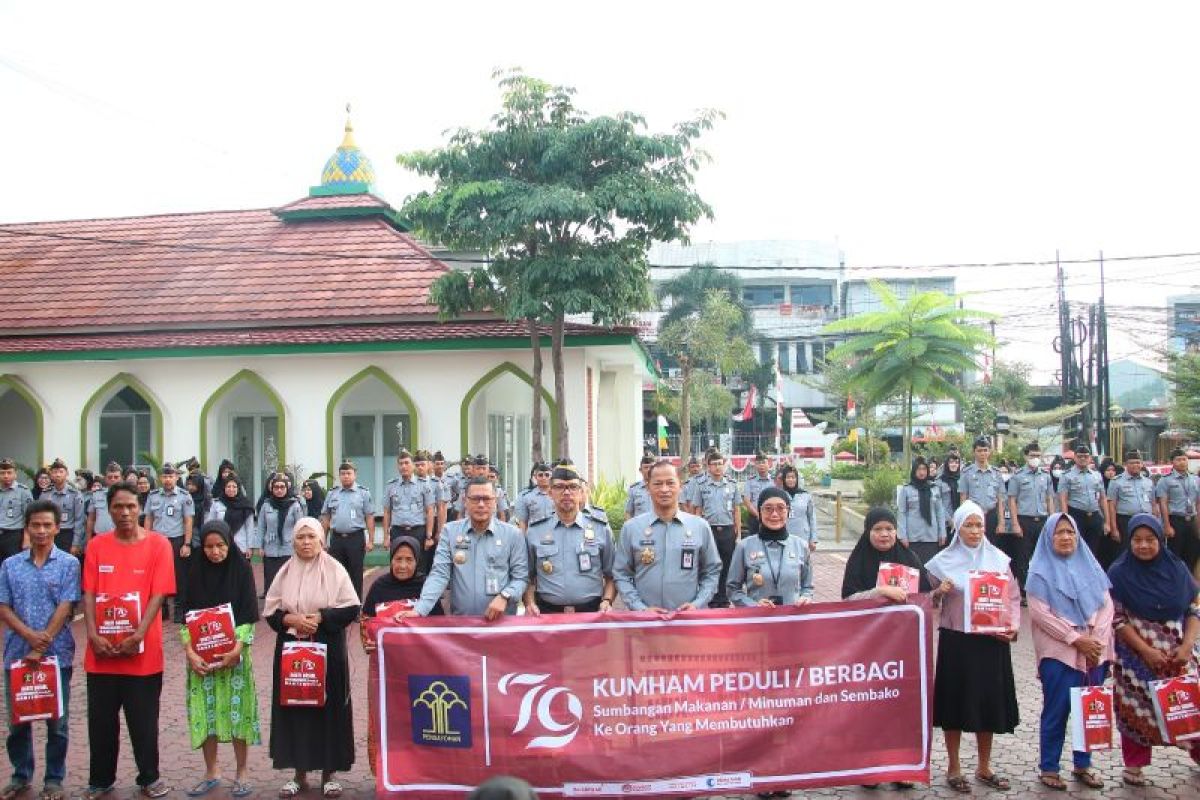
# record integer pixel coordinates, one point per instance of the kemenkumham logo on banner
(542, 696)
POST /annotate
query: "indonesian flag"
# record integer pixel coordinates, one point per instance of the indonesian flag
(747, 412)
(778, 409)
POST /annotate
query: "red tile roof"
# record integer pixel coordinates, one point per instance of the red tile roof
(184, 271)
(429, 332)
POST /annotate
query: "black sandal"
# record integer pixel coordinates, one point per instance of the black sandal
(1088, 778)
(994, 781)
(958, 783)
(1051, 780)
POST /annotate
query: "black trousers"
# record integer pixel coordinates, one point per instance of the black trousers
(1123, 527)
(350, 549)
(1184, 543)
(726, 542)
(1091, 528)
(271, 567)
(752, 525)
(181, 571)
(547, 607)
(991, 520)
(64, 539)
(10, 542)
(139, 696)
(1020, 548)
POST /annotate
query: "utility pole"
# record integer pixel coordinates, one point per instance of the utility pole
(1105, 418)
(1064, 333)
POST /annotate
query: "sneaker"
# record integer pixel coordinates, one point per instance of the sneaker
(157, 789)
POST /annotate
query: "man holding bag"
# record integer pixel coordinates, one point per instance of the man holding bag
(38, 592)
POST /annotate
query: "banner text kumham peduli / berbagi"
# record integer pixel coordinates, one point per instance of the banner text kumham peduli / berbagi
(645, 686)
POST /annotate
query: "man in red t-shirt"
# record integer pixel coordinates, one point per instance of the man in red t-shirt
(127, 574)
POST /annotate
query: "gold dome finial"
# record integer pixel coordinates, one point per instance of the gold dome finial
(348, 139)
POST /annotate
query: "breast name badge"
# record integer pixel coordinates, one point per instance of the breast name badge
(687, 558)
(585, 561)
(170, 511)
(492, 585)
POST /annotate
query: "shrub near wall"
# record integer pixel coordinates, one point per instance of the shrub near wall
(879, 487)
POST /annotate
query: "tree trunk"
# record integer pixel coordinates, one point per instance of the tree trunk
(535, 344)
(685, 410)
(560, 385)
(908, 427)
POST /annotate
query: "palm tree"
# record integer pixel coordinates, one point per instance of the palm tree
(911, 349)
(687, 293)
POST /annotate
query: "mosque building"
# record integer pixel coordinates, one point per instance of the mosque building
(297, 335)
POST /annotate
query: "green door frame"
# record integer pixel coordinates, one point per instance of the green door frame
(15, 384)
(492, 374)
(156, 416)
(390, 383)
(257, 381)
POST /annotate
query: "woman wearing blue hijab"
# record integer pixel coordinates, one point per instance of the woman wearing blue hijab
(1157, 621)
(1072, 617)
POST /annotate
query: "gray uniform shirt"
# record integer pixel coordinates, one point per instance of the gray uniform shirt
(715, 500)
(910, 525)
(12, 506)
(753, 487)
(664, 565)
(169, 509)
(1132, 495)
(242, 537)
(348, 509)
(637, 501)
(533, 504)
(1033, 490)
(98, 502)
(1082, 488)
(407, 500)
(268, 537)
(984, 487)
(476, 567)
(454, 484)
(802, 517)
(766, 569)
(558, 552)
(70, 510)
(1181, 492)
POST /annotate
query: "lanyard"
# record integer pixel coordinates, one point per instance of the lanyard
(774, 569)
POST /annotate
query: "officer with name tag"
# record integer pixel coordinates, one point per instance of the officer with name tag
(570, 553)
(752, 488)
(637, 500)
(1081, 493)
(408, 505)
(920, 519)
(1030, 501)
(69, 502)
(503, 506)
(983, 484)
(14, 497)
(1178, 494)
(1129, 493)
(348, 516)
(438, 494)
(449, 482)
(667, 559)
(483, 561)
(171, 511)
(98, 520)
(715, 497)
(534, 502)
(767, 567)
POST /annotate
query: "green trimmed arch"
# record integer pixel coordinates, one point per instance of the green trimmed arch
(390, 383)
(106, 391)
(15, 384)
(491, 375)
(254, 379)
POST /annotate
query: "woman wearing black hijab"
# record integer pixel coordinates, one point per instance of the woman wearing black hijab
(221, 699)
(403, 580)
(877, 545)
(314, 498)
(951, 471)
(767, 567)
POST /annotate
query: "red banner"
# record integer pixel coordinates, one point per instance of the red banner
(625, 704)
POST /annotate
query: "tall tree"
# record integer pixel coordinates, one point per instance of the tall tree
(1007, 390)
(1183, 373)
(566, 204)
(914, 349)
(684, 295)
(708, 345)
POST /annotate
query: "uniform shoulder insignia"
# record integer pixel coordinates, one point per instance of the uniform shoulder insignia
(597, 514)
(539, 520)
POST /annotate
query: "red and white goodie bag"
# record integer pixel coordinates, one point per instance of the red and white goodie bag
(907, 578)
(393, 607)
(118, 617)
(302, 674)
(1177, 708)
(212, 632)
(34, 690)
(1091, 718)
(985, 602)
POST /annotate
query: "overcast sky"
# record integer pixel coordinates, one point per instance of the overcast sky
(911, 132)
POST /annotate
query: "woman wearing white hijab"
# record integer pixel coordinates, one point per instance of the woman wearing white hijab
(973, 688)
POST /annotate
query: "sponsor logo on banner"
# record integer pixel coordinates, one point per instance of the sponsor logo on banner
(538, 703)
(441, 710)
(697, 783)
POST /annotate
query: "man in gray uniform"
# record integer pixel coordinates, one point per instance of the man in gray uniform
(69, 502)
(408, 506)
(451, 482)
(1178, 494)
(1030, 502)
(637, 500)
(171, 511)
(982, 483)
(695, 470)
(534, 502)
(349, 517)
(761, 479)
(98, 520)
(1129, 493)
(667, 559)
(570, 553)
(13, 499)
(1081, 494)
(714, 497)
(482, 560)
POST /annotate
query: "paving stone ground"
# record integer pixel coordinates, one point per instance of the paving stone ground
(1015, 756)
